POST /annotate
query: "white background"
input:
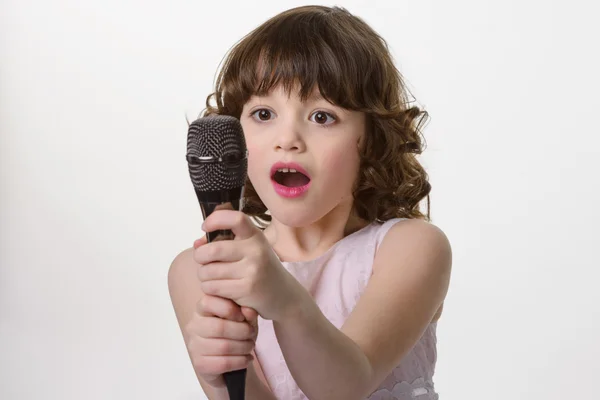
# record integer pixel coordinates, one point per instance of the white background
(96, 200)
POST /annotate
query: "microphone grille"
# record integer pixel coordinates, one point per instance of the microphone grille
(216, 153)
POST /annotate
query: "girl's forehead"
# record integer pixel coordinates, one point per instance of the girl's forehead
(295, 91)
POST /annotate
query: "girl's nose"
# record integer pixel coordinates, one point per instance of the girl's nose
(290, 139)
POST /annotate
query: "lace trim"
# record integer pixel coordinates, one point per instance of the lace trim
(419, 389)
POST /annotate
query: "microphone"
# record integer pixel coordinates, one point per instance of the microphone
(218, 165)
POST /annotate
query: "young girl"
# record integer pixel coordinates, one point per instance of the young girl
(335, 280)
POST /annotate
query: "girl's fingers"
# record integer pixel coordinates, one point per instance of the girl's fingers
(200, 242)
(236, 221)
(219, 328)
(218, 251)
(226, 347)
(227, 288)
(218, 306)
(219, 271)
(250, 315)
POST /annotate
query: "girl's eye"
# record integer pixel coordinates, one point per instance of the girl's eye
(321, 118)
(262, 114)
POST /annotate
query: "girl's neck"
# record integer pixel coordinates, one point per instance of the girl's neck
(310, 241)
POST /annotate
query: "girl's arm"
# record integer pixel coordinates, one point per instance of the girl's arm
(256, 388)
(411, 273)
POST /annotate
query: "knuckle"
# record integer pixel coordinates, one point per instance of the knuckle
(204, 303)
(246, 346)
(231, 311)
(214, 250)
(196, 255)
(219, 327)
(221, 364)
(206, 287)
(201, 366)
(227, 364)
(200, 273)
(251, 332)
(209, 250)
(225, 347)
(246, 362)
(240, 218)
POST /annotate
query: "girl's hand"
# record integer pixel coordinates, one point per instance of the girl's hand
(245, 270)
(220, 338)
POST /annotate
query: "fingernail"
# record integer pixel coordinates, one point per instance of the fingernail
(197, 243)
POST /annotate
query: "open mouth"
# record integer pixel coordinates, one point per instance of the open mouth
(290, 177)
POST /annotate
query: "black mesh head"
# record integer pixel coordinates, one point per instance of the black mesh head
(216, 153)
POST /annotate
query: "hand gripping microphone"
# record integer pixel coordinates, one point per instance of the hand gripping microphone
(218, 165)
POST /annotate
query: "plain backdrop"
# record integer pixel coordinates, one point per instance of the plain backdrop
(96, 199)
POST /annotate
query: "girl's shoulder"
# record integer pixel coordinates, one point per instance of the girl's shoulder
(407, 244)
(403, 229)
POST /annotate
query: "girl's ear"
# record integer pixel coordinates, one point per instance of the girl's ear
(361, 140)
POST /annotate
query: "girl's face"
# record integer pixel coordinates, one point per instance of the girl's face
(320, 138)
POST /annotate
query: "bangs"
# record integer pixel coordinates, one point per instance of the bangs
(303, 52)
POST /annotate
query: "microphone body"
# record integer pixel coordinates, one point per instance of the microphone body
(218, 200)
(218, 166)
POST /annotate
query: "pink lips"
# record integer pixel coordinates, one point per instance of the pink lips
(285, 191)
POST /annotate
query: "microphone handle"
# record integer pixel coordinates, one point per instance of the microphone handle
(236, 384)
(209, 202)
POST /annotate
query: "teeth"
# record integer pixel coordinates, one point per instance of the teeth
(286, 170)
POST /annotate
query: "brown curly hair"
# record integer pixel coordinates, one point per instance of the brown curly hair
(353, 69)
